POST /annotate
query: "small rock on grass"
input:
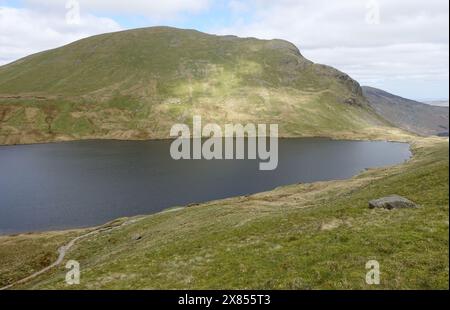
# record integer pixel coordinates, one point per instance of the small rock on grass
(137, 237)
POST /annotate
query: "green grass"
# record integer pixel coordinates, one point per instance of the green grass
(21, 255)
(311, 236)
(144, 81)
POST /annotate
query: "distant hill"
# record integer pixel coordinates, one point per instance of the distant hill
(439, 103)
(136, 84)
(410, 115)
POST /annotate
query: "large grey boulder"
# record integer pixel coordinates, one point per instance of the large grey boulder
(392, 202)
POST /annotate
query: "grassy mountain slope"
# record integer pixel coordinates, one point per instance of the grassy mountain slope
(410, 115)
(136, 84)
(306, 236)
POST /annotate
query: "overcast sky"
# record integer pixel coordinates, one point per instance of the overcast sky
(401, 46)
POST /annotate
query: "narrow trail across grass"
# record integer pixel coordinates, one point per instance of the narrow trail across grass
(62, 251)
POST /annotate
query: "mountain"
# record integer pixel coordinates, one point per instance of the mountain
(410, 115)
(136, 84)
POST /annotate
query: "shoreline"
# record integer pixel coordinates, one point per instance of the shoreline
(176, 208)
(404, 138)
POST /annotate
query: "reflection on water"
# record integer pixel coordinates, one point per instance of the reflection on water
(79, 184)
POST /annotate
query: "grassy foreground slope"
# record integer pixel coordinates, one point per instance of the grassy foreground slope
(310, 236)
(136, 84)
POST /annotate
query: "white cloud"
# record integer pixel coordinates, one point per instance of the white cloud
(323, 23)
(237, 6)
(23, 31)
(150, 8)
(410, 42)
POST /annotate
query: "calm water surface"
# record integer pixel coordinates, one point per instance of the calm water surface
(80, 184)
